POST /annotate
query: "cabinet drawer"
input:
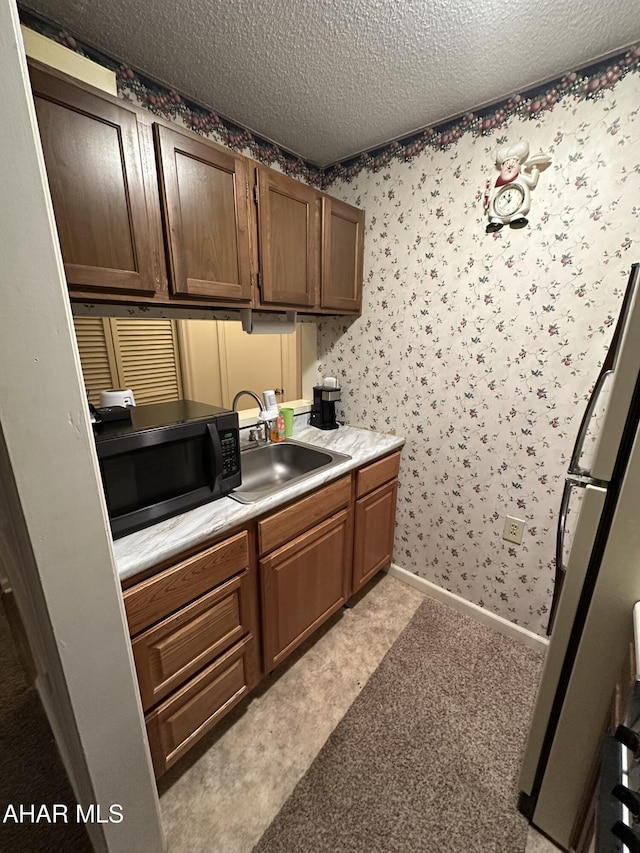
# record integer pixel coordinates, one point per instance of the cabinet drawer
(290, 522)
(169, 653)
(379, 472)
(166, 592)
(190, 713)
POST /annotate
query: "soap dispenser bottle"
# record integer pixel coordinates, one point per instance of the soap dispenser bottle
(277, 430)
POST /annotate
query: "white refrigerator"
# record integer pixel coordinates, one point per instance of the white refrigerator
(597, 583)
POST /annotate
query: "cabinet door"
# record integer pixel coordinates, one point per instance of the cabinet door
(303, 584)
(374, 529)
(205, 202)
(289, 238)
(342, 255)
(92, 155)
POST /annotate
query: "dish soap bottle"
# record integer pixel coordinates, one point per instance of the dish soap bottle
(277, 431)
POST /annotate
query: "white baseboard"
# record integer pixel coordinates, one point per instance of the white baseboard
(492, 620)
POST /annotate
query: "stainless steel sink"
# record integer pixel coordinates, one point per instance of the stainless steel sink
(272, 467)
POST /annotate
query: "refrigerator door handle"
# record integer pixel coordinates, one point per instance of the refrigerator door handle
(574, 466)
(560, 537)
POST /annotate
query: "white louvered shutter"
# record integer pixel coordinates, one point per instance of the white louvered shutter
(147, 358)
(96, 355)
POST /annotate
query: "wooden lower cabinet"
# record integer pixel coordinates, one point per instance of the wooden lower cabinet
(177, 724)
(165, 592)
(303, 584)
(197, 641)
(376, 491)
(374, 531)
(176, 648)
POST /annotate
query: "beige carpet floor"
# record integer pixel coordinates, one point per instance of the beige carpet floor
(223, 795)
(427, 757)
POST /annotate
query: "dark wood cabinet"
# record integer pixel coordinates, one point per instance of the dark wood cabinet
(342, 256)
(374, 530)
(195, 641)
(303, 584)
(375, 517)
(288, 240)
(177, 647)
(92, 154)
(148, 213)
(310, 247)
(205, 204)
(189, 713)
(201, 635)
(305, 568)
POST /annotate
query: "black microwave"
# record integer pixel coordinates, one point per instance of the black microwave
(170, 458)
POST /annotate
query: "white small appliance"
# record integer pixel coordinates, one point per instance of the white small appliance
(117, 397)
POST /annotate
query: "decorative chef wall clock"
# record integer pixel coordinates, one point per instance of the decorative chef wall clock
(507, 200)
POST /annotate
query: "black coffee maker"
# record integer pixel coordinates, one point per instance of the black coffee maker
(323, 411)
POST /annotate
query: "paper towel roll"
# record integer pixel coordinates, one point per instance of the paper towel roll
(259, 326)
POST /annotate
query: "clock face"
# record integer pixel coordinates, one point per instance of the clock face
(508, 199)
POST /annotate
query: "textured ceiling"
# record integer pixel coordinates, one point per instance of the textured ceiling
(330, 78)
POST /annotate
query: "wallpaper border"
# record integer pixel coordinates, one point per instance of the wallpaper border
(585, 84)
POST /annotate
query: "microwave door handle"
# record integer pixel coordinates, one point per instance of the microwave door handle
(584, 424)
(217, 458)
(560, 569)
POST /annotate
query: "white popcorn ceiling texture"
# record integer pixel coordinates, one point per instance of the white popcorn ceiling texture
(326, 80)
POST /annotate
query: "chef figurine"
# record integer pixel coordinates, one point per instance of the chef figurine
(508, 200)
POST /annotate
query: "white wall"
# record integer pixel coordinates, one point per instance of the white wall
(59, 560)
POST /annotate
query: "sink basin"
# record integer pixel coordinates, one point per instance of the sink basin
(272, 467)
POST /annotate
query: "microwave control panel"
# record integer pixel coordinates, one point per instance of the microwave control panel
(230, 453)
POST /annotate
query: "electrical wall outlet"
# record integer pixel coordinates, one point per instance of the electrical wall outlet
(513, 530)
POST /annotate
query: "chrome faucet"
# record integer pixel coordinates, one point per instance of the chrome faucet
(254, 432)
(251, 394)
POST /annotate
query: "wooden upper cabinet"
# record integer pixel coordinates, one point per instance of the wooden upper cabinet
(289, 239)
(342, 254)
(205, 202)
(93, 161)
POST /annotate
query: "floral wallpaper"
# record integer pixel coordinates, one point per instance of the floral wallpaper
(588, 84)
(481, 349)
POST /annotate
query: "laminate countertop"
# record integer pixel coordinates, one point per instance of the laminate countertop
(156, 544)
